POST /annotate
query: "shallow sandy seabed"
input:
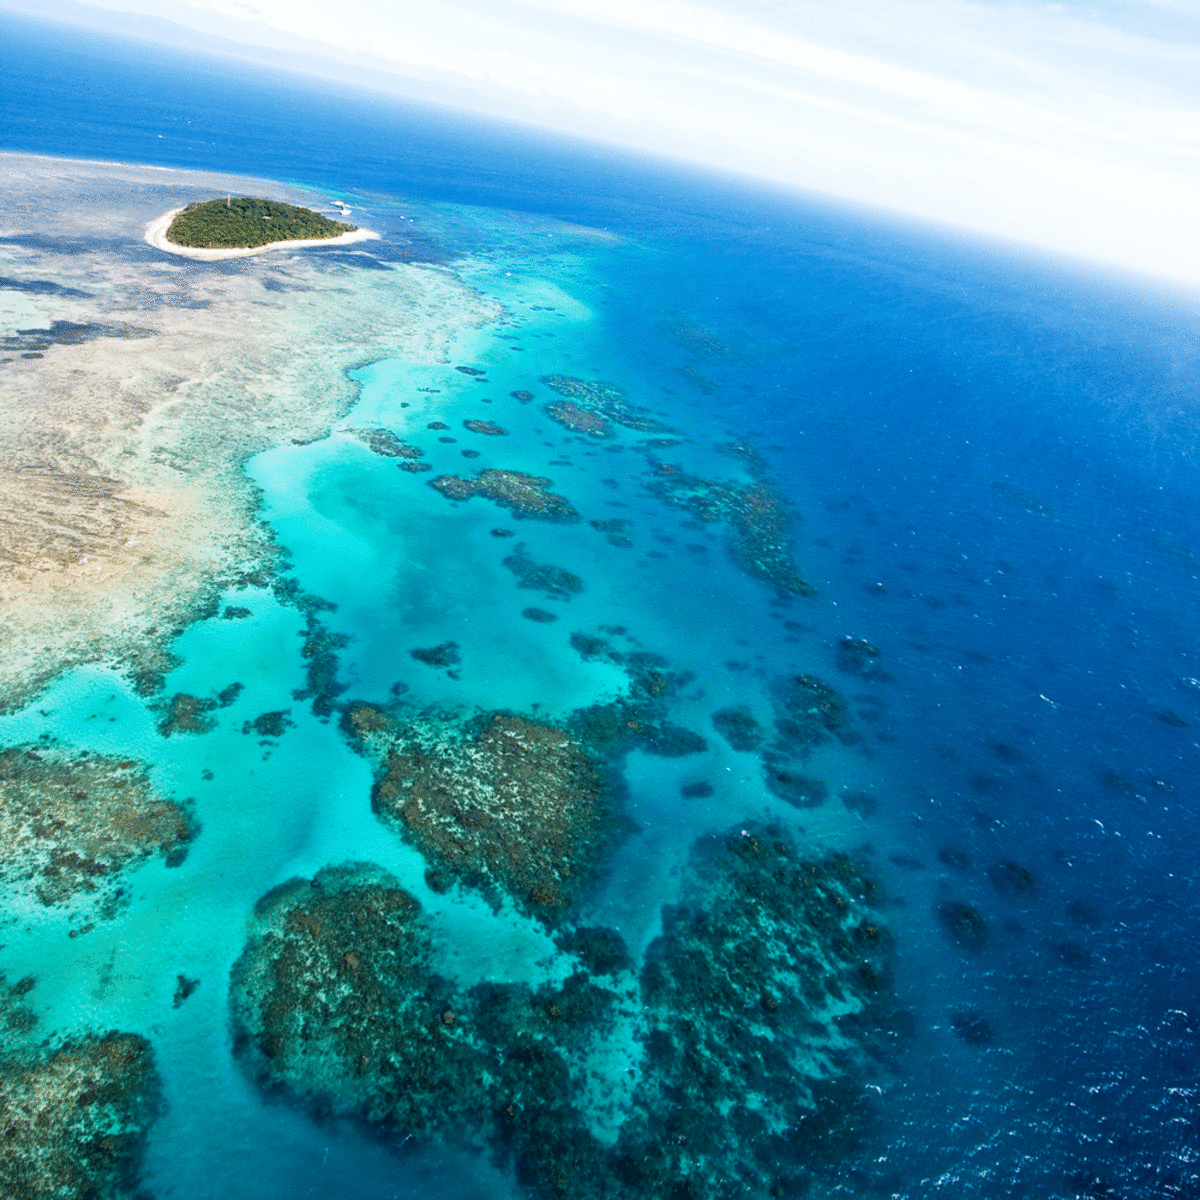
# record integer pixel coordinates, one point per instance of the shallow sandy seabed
(133, 390)
(156, 235)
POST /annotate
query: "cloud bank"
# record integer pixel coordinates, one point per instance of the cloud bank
(1072, 127)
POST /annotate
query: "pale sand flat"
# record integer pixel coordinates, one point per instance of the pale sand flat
(156, 235)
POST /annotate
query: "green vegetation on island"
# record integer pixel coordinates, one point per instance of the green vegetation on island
(244, 222)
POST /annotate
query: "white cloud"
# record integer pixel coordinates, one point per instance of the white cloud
(1072, 127)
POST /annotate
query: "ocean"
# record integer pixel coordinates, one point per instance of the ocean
(985, 461)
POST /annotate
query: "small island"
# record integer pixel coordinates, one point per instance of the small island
(240, 225)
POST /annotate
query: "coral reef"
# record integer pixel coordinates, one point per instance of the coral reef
(759, 516)
(638, 718)
(270, 724)
(766, 1004)
(334, 1001)
(1010, 878)
(971, 1026)
(526, 495)
(319, 650)
(70, 824)
(761, 1010)
(856, 656)
(444, 655)
(509, 805)
(555, 582)
(184, 987)
(797, 789)
(807, 710)
(187, 714)
(963, 924)
(578, 420)
(75, 1119)
(605, 401)
(385, 443)
(490, 428)
(738, 727)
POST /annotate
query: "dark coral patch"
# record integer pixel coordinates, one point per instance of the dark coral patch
(602, 951)
(1010, 878)
(856, 656)
(762, 1009)
(637, 719)
(739, 728)
(506, 804)
(526, 495)
(605, 401)
(72, 824)
(760, 517)
(578, 420)
(963, 924)
(270, 724)
(444, 655)
(807, 710)
(555, 582)
(971, 1026)
(797, 789)
(385, 443)
(76, 1119)
(187, 714)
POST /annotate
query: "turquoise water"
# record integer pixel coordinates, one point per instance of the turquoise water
(991, 465)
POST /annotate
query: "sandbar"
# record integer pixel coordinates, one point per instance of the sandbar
(156, 235)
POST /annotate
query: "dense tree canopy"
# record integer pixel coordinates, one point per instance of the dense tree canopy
(244, 222)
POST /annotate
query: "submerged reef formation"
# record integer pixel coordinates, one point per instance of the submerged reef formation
(963, 924)
(603, 401)
(734, 1062)
(636, 719)
(556, 582)
(188, 714)
(759, 517)
(856, 656)
(386, 444)
(70, 824)
(335, 1002)
(525, 495)
(807, 711)
(578, 420)
(739, 727)
(766, 1008)
(75, 1119)
(512, 806)
(445, 654)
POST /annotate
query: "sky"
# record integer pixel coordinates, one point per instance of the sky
(1071, 126)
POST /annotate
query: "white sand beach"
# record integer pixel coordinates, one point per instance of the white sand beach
(156, 235)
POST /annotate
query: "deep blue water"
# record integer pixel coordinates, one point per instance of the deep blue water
(993, 461)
